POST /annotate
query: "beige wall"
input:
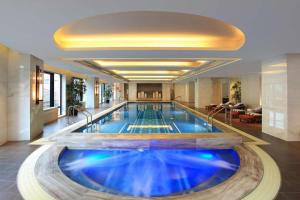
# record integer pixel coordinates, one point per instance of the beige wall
(181, 91)
(208, 91)
(274, 98)
(19, 96)
(50, 115)
(191, 92)
(203, 91)
(132, 90)
(166, 91)
(4, 53)
(251, 90)
(36, 110)
(216, 91)
(293, 95)
(280, 97)
(20, 117)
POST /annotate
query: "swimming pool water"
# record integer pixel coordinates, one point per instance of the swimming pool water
(150, 172)
(150, 118)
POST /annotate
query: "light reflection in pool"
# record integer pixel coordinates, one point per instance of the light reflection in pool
(151, 115)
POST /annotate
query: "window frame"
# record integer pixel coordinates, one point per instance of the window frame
(52, 91)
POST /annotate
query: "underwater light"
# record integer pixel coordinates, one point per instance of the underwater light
(206, 155)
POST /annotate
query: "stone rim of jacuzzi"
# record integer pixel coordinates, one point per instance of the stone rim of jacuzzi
(31, 188)
(55, 183)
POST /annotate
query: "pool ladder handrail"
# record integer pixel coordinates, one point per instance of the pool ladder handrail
(177, 97)
(211, 114)
(86, 113)
(121, 98)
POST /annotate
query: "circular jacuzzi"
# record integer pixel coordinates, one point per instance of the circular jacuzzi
(149, 172)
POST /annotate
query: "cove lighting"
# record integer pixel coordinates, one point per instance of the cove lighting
(147, 79)
(128, 77)
(162, 63)
(149, 30)
(143, 72)
(146, 41)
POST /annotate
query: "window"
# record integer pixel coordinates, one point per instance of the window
(102, 92)
(46, 91)
(52, 91)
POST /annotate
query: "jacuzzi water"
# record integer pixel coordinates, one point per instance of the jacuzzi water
(150, 118)
(151, 172)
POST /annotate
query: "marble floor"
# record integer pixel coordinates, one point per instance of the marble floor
(286, 154)
(12, 155)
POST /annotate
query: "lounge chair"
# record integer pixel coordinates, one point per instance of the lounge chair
(237, 110)
(255, 110)
(252, 115)
(235, 113)
(238, 106)
(210, 107)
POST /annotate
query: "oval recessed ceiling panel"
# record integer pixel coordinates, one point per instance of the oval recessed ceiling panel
(149, 30)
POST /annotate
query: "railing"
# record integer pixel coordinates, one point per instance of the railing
(86, 113)
(211, 114)
(177, 97)
(121, 98)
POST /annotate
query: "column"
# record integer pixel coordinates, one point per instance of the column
(280, 97)
(92, 96)
(132, 91)
(166, 91)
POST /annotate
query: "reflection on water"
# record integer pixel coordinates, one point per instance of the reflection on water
(150, 118)
(149, 173)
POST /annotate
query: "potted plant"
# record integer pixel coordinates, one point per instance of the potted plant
(108, 93)
(237, 92)
(75, 92)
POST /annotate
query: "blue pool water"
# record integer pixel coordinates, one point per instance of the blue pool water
(149, 173)
(150, 118)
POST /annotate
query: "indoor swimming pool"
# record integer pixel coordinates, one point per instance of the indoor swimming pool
(150, 118)
(149, 172)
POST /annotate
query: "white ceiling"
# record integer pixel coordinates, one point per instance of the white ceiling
(272, 27)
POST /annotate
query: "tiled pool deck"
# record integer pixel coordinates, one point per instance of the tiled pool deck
(286, 155)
